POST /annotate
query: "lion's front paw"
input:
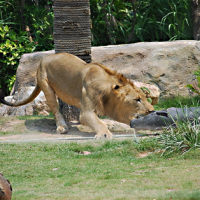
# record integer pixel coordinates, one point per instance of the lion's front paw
(62, 129)
(103, 136)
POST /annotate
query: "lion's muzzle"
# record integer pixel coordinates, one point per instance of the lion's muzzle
(147, 113)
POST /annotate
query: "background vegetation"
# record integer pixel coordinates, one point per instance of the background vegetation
(24, 28)
(27, 26)
(124, 21)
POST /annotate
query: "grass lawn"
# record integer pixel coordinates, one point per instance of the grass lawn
(114, 170)
(178, 102)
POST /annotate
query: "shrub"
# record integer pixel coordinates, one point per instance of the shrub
(40, 22)
(12, 46)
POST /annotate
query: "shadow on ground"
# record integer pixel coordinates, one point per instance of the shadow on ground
(48, 126)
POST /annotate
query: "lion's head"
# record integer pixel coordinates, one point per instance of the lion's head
(125, 101)
(131, 103)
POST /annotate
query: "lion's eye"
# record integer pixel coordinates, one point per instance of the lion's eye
(138, 100)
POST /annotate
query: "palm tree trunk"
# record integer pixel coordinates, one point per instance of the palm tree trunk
(22, 6)
(195, 5)
(72, 34)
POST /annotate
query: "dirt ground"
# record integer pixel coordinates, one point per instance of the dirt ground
(13, 129)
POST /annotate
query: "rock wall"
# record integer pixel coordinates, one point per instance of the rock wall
(168, 65)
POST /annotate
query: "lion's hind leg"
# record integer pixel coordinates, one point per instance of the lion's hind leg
(52, 103)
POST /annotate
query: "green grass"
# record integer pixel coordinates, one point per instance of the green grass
(187, 134)
(178, 102)
(115, 169)
(27, 117)
(47, 171)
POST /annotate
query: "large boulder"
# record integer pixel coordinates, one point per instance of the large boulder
(168, 65)
(27, 69)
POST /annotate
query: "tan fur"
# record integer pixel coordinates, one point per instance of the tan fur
(93, 88)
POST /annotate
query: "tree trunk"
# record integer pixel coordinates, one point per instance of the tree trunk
(195, 5)
(72, 34)
(22, 6)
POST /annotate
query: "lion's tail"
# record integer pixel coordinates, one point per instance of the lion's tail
(34, 94)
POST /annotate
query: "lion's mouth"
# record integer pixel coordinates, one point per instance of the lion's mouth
(139, 116)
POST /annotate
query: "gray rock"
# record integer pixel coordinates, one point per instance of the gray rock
(38, 106)
(27, 69)
(167, 65)
(164, 118)
(153, 92)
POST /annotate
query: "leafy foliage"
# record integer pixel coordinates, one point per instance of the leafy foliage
(12, 46)
(23, 29)
(133, 21)
(40, 22)
(156, 22)
(111, 21)
(186, 135)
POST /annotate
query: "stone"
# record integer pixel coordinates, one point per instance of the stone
(170, 117)
(37, 106)
(153, 93)
(27, 69)
(167, 65)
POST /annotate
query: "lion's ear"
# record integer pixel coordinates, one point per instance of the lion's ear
(116, 87)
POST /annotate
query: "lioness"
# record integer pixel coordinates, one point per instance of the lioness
(93, 88)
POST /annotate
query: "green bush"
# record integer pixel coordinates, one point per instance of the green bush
(34, 17)
(40, 22)
(23, 29)
(12, 46)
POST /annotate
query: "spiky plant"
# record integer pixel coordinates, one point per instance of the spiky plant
(182, 139)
